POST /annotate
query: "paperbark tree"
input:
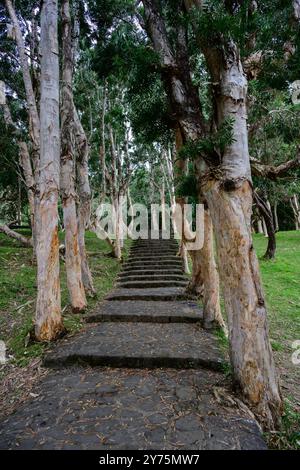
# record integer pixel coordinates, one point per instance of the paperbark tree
(226, 186)
(48, 320)
(67, 180)
(34, 120)
(84, 207)
(294, 202)
(267, 216)
(24, 160)
(205, 278)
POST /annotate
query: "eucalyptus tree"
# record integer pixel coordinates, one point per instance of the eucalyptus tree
(48, 320)
(68, 165)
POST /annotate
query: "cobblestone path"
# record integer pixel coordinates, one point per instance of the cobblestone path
(143, 374)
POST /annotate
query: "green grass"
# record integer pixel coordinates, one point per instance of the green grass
(18, 293)
(281, 279)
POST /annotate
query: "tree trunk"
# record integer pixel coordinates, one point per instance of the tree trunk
(15, 235)
(29, 181)
(117, 252)
(84, 209)
(275, 216)
(67, 180)
(163, 206)
(205, 274)
(183, 253)
(266, 213)
(230, 203)
(48, 320)
(30, 96)
(296, 210)
(25, 163)
(33, 117)
(102, 146)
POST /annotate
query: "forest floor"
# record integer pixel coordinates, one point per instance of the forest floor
(18, 290)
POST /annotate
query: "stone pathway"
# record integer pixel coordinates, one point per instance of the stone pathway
(143, 374)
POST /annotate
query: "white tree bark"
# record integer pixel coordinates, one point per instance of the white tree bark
(84, 209)
(34, 120)
(48, 320)
(67, 180)
(294, 202)
(230, 202)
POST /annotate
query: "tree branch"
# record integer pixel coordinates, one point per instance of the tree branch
(274, 172)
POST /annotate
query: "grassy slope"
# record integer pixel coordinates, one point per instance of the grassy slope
(281, 279)
(18, 291)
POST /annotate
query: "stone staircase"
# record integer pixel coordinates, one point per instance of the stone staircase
(143, 373)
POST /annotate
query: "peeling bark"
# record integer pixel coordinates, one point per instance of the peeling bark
(205, 274)
(34, 121)
(294, 202)
(250, 350)
(67, 180)
(84, 209)
(48, 320)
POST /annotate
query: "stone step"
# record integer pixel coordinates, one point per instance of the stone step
(139, 345)
(163, 294)
(147, 311)
(143, 284)
(150, 252)
(161, 241)
(151, 272)
(153, 268)
(153, 259)
(156, 262)
(155, 243)
(152, 277)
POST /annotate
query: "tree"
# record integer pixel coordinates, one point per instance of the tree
(48, 320)
(67, 181)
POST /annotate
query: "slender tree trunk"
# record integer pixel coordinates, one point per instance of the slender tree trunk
(19, 208)
(117, 252)
(102, 146)
(260, 226)
(33, 115)
(205, 274)
(183, 253)
(25, 163)
(275, 216)
(29, 181)
(163, 206)
(48, 320)
(294, 202)
(266, 213)
(67, 181)
(84, 209)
